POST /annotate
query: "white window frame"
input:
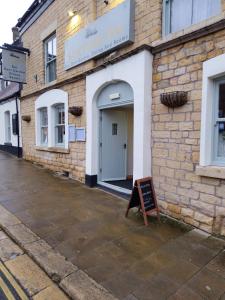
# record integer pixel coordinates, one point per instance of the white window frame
(54, 60)
(8, 127)
(213, 69)
(50, 100)
(56, 125)
(41, 126)
(167, 6)
(216, 159)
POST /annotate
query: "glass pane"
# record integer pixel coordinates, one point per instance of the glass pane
(54, 47)
(60, 115)
(203, 9)
(221, 113)
(60, 134)
(51, 49)
(114, 129)
(44, 117)
(181, 12)
(44, 135)
(51, 71)
(221, 140)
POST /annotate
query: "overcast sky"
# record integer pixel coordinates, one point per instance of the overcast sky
(10, 12)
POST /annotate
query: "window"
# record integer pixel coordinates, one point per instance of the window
(219, 122)
(7, 127)
(60, 124)
(51, 121)
(44, 126)
(50, 59)
(179, 14)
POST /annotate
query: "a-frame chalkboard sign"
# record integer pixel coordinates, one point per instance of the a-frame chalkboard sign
(143, 196)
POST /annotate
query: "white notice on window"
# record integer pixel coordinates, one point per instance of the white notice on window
(72, 133)
(80, 134)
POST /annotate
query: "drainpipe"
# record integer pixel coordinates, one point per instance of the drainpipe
(18, 133)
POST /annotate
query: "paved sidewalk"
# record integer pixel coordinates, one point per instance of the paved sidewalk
(87, 226)
(15, 264)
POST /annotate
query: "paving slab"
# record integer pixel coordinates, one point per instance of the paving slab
(52, 262)
(9, 250)
(185, 293)
(2, 235)
(28, 274)
(22, 234)
(7, 218)
(207, 284)
(81, 287)
(51, 292)
(217, 265)
(87, 227)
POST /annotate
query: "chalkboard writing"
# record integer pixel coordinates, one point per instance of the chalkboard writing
(143, 196)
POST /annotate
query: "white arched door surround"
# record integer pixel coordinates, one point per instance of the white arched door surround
(137, 72)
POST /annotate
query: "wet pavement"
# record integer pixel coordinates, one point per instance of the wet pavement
(87, 226)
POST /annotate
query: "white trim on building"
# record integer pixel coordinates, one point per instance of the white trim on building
(137, 72)
(10, 107)
(212, 70)
(49, 100)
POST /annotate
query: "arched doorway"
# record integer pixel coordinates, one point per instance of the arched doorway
(115, 105)
(136, 71)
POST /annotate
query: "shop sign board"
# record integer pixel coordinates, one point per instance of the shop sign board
(109, 32)
(13, 66)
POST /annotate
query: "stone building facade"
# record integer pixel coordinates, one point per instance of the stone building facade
(170, 144)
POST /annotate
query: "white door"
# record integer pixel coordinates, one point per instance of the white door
(113, 145)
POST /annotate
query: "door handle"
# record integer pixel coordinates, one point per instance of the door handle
(125, 146)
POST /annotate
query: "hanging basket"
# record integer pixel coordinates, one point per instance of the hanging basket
(174, 99)
(26, 118)
(76, 111)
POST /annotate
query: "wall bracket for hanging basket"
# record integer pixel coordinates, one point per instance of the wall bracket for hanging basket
(26, 118)
(174, 99)
(76, 111)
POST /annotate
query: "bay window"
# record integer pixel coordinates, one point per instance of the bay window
(179, 14)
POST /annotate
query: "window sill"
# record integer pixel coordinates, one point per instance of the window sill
(53, 149)
(211, 171)
(194, 31)
(48, 84)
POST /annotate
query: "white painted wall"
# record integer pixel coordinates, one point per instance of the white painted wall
(10, 106)
(130, 150)
(137, 72)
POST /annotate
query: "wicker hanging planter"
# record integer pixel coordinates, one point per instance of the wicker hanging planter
(174, 99)
(26, 118)
(76, 111)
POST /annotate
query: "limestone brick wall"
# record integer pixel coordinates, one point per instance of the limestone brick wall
(74, 161)
(147, 29)
(199, 201)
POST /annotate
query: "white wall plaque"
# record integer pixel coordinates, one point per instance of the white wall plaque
(108, 32)
(13, 66)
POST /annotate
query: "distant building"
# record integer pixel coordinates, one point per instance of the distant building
(10, 125)
(128, 89)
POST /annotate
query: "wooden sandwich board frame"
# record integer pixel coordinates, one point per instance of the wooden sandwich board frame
(140, 201)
